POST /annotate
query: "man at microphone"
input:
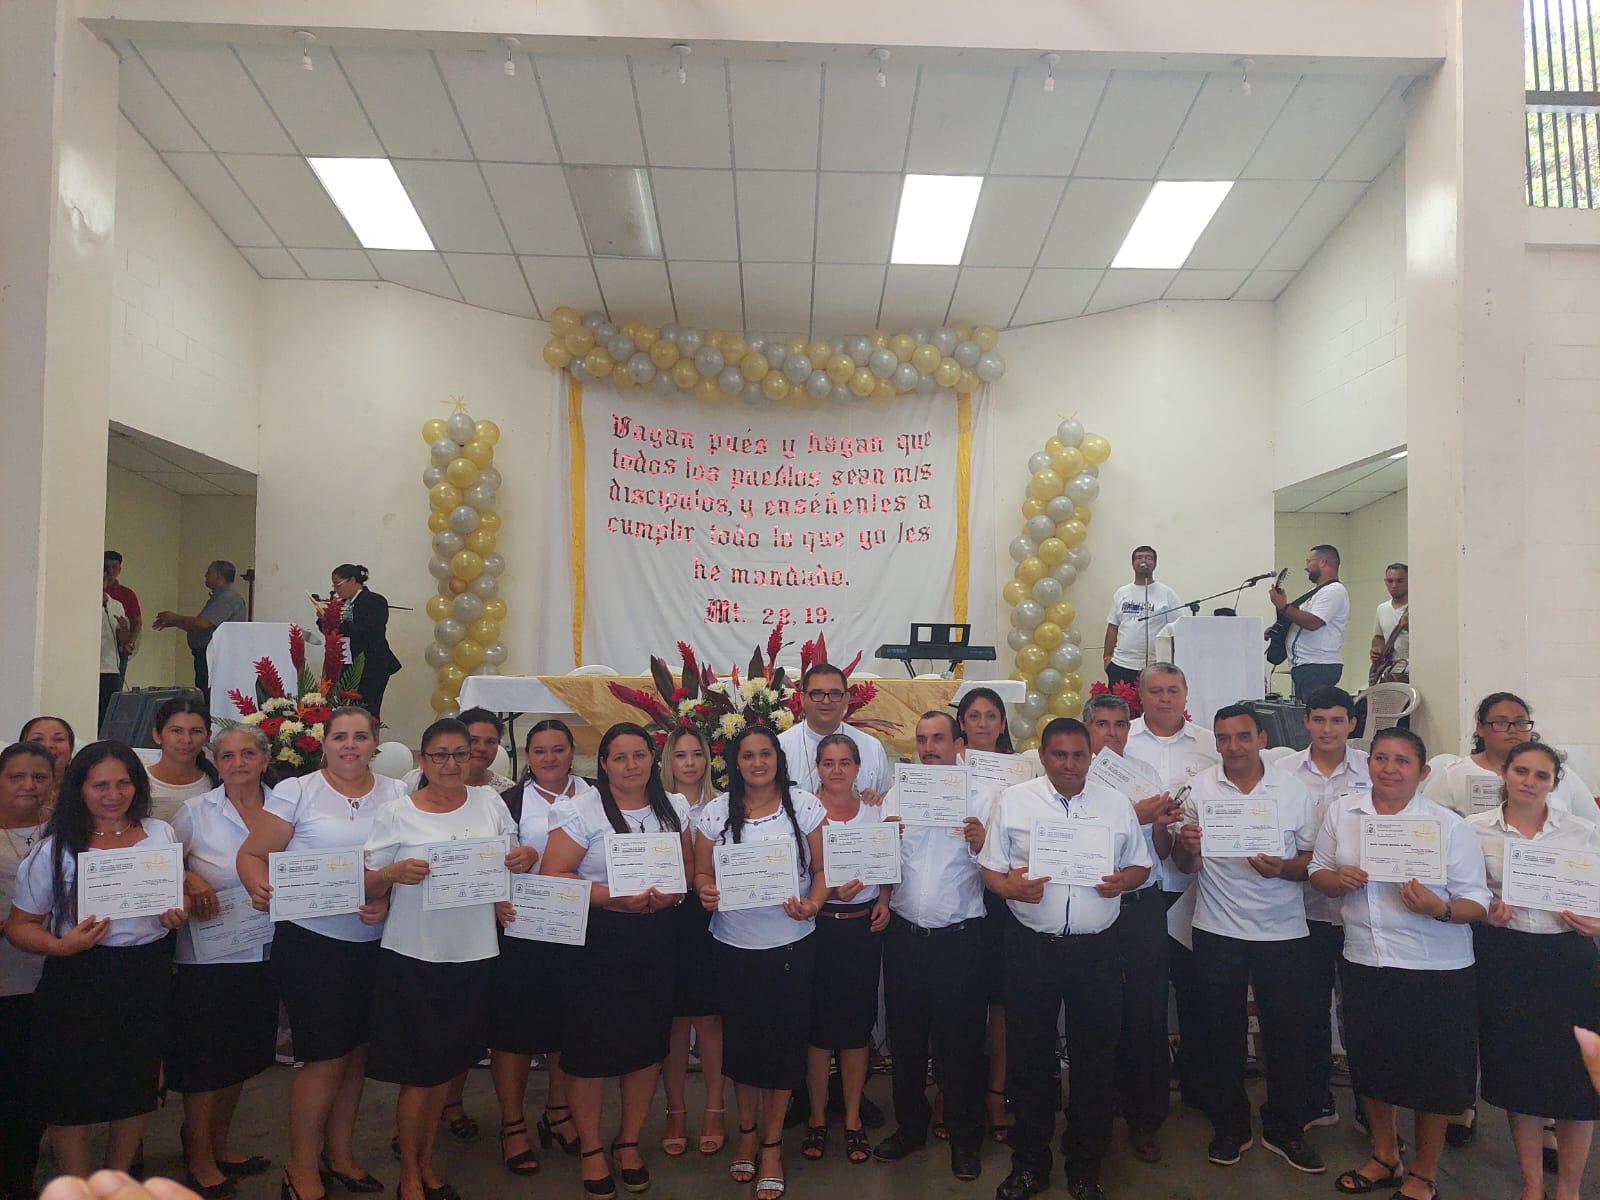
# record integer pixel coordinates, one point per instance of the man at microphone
(1132, 626)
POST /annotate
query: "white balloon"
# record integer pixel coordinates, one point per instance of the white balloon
(466, 607)
(580, 372)
(663, 383)
(1066, 658)
(819, 386)
(756, 342)
(1040, 460)
(1040, 527)
(671, 330)
(860, 349)
(1022, 547)
(920, 335)
(620, 347)
(479, 496)
(1017, 638)
(1078, 557)
(708, 361)
(1072, 637)
(490, 478)
(1049, 681)
(967, 353)
(494, 653)
(1083, 489)
(449, 631)
(1058, 508)
(837, 345)
(944, 341)
(881, 363)
(905, 377)
(841, 394)
(640, 368)
(775, 353)
(493, 564)
(443, 452)
(1047, 591)
(461, 427)
(447, 542)
(436, 655)
(1069, 432)
(463, 518)
(730, 380)
(1033, 704)
(484, 586)
(593, 320)
(797, 369)
(604, 332)
(1028, 615)
(439, 568)
(1021, 728)
(689, 341)
(1065, 574)
(432, 477)
(990, 366)
(752, 394)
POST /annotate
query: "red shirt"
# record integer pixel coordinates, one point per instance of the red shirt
(125, 597)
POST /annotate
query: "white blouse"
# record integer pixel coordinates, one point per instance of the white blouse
(167, 798)
(1559, 829)
(769, 926)
(325, 819)
(402, 830)
(866, 814)
(1467, 789)
(211, 831)
(533, 828)
(583, 819)
(35, 891)
(19, 970)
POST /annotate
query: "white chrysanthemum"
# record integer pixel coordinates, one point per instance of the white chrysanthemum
(686, 706)
(784, 718)
(718, 765)
(254, 718)
(278, 704)
(290, 730)
(312, 698)
(730, 724)
(290, 756)
(749, 688)
(316, 731)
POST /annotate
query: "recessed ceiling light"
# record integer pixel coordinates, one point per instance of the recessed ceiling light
(1398, 454)
(374, 201)
(935, 218)
(1171, 221)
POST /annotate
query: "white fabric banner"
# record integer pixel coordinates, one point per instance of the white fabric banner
(711, 524)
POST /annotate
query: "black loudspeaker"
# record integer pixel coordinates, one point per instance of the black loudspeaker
(130, 715)
(1285, 721)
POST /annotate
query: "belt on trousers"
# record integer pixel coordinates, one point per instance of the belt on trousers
(847, 913)
(1068, 937)
(1144, 893)
(922, 932)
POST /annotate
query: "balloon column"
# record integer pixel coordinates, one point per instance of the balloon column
(1049, 554)
(766, 367)
(467, 610)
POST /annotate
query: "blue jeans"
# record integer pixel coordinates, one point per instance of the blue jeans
(1308, 677)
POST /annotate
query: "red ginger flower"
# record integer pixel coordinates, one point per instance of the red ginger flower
(297, 648)
(267, 675)
(241, 703)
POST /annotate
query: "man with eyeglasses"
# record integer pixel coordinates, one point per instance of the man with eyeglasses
(824, 698)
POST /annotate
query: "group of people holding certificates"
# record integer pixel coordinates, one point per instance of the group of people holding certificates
(408, 927)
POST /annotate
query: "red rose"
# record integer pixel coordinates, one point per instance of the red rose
(271, 725)
(680, 695)
(307, 744)
(315, 714)
(660, 739)
(718, 746)
(349, 695)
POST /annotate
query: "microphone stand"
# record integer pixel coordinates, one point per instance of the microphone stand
(1194, 605)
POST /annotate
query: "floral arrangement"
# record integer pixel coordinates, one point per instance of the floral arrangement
(1128, 694)
(719, 709)
(293, 721)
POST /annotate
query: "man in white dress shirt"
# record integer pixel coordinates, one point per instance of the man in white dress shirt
(1250, 931)
(934, 989)
(1062, 949)
(1329, 767)
(1131, 625)
(1316, 634)
(824, 699)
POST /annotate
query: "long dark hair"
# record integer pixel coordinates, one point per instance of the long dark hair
(26, 735)
(1002, 744)
(189, 706)
(71, 826)
(736, 792)
(545, 726)
(654, 791)
(1482, 713)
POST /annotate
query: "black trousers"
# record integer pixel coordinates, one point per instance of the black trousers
(1308, 677)
(19, 1133)
(1143, 1067)
(202, 673)
(1042, 974)
(1327, 947)
(372, 688)
(1226, 967)
(110, 685)
(1116, 674)
(1191, 1012)
(934, 997)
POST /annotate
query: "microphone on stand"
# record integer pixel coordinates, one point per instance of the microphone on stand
(1255, 579)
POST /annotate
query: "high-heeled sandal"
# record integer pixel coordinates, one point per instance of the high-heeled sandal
(524, 1163)
(546, 1129)
(226, 1190)
(289, 1192)
(743, 1170)
(355, 1184)
(598, 1189)
(635, 1179)
(676, 1147)
(775, 1184)
(712, 1143)
(462, 1128)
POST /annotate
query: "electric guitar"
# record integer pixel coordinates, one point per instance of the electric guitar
(1277, 637)
(1385, 668)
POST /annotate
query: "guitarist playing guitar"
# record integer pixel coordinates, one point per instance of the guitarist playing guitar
(1391, 646)
(1315, 641)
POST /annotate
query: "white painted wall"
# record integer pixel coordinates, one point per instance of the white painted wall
(1340, 353)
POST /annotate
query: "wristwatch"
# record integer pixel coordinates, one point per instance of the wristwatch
(1446, 916)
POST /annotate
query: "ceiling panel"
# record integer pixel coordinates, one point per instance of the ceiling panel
(777, 114)
(845, 296)
(695, 211)
(1319, 216)
(1205, 285)
(1377, 142)
(1043, 131)
(1094, 217)
(1346, 501)
(216, 95)
(988, 295)
(272, 262)
(864, 126)
(423, 270)
(956, 120)
(536, 207)
(1254, 213)
(151, 110)
(1264, 285)
(317, 107)
(707, 294)
(1226, 125)
(503, 115)
(915, 296)
(288, 195)
(1316, 125)
(635, 287)
(1120, 288)
(491, 281)
(855, 217)
(685, 124)
(777, 215)
(592, 109)
(454, 205)
(209, 183)
(1055, 295)
(1137, 123)
(127, 453)
(557, 281)
(405, 100)
(184, 483)
(1011, 221)
(335, 264)
(777, 295)
(238, 483)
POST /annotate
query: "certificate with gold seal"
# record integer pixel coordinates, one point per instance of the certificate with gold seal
(1551, 878)
(1399, 849)
(637, 862)
(756, 874)
(932, 795)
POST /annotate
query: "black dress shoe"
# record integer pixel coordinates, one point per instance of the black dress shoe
(897, 1145)
(1086, 1189)
(244, 1168)
(965, 1162)
(1021, 1184)
(225, 1190)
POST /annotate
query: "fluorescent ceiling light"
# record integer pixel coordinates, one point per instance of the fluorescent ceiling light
(935, 217)
(1398, 454)
(1171, 221)
(373, 200)
(617, 210)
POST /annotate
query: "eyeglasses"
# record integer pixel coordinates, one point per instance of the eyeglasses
(820, 697)
(1521, 726)
(439, 757)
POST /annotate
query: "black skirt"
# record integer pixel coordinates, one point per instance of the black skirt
(619, 1002)
(694, 972)
(1532, 989)
(1412, 1036)
(844, 986)
(431, 1021)
(766, 1008)
(100, 1025)
(526, 996)
(996, 912)
(225, 1025)
(327, 987)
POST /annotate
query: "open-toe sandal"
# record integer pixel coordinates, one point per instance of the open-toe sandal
(525, 1162)
(815, 1143)
(674, 1145)
(712, 1143)
(773, 1185)
(1354, 1183)
(856, 1147)
(743, 1170)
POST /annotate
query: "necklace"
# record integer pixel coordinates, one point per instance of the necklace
(113, 832)
(547, 793)
(27, 842)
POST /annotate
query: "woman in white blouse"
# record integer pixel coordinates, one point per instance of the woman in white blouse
(1407, 959)
(180, 728)
(766, 955)
(325, 967)
(225, 1004)
(102, 1011)
(1470, 784)
(27, 780)
(619, 999)
(1538, 977)
(432, 1021)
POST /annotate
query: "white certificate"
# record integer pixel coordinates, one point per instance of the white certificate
(637, 862)
(756, 874)
(1551, 878)
(1397, 849)
(1239, 828)
(992, 773)
(1134, 779)
(931, 795)
(1483, 792)
(237, 926)
(870, 853)
(550, 909)
(315, 883)
(142, 881)
(469, 871)
(1067, 851)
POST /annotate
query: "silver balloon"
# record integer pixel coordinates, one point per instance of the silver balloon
(990, 366)
(752, 394)
(920, 335)
(479, 496)
(620, 347)
(944, 341)
(905, 377)
(730, 380)
(775, 354)
(1047, 591)
(755, 343)
(1033, 704)
(663, 384)
(1017, 638)
(449, 631)
(461, 427)
(604, 332)
(926, 385)
(593, 320)
(432, 477)
(466, 607)
(797, 368)
(671, 330)
(1058, 508)
(1072, 637)
(1022, 547)
(640, 368)
(836, 344)
(881, 363)
(436, 655)
(1083, 489)
(439, 567)
(1028, 615)
(1078, 557)
(490, 478)
(1069, 432)
(493, 564)
(446, 543)
(1040, 461)
(818, 385)
(1021, 728)
(1065, 574)
(464, 518)
(689, 341)
(708, 361)
(484, 586)
(1049, 681)
(966, 353)
(1066, 658)
(841, 394)
(494, 654)
(860, 349)
(580, 372)
(1040, 527)
(443, 452)
(1090, 469)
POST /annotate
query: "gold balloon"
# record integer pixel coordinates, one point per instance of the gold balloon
(841, 367)
(457, 585)
(441, 701)
(1014, 593)
(863, 382)
(1032, 569)
(1081, 514)
(664, 353)
(449, 675)
(1031, 659)
(645, 337)
(579, 342)
(564, 320)
(481, 452)
(884, 390)
(485, 631)
(1046, 485)
(490, 520)
(986, 337)
(904, 347)
(1047, 634)
(775, 386)
(968, 383)
(434, 430)
(453, 686)
(819, 352)
(488, 432)
(1066, 703)
(1071, 534)
(556, 355)
(754, 367)
(466, 565)
(1063, 614)
(962, 329)
(442, 497)
(925, 358)
(794, 345)
(1027, 743)
(494, 608)
(1067, 459)
(462, 472)
(438, 522)
(713, 338)
(734, 348)
(1053, 446)
(684, 374)
(480, 541)
(707, 391)
(1095, 448)
(468, 654)
(437, 607)
(1032, 508)
(879, 339)
(1071, 681)
(1053, 550)
(599, 361)
(947, 373)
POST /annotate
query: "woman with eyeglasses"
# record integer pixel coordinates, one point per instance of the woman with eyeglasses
(1470, 784)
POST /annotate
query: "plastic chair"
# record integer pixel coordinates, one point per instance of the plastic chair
(393, 760)
(1386, 704)
(596, 669)
(502, 763)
